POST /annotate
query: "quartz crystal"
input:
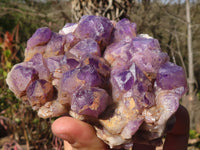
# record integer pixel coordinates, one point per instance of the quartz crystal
(102, 72)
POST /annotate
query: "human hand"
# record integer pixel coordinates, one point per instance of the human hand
(78, 135)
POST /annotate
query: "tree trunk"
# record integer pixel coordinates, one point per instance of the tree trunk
(114, 10)
(190, 100)
(191, 79)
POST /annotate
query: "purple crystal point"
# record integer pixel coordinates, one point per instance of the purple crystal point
(72, 63)
(119, 50)
(68, 84)
(90, 102)
(171, 76)
(124, 30)
(89, 75)
(20, 77)
(68, 28)
(143, 90)
(39, 92)
(145, 42)
(70, 41)
(84, 47)
(38, 63)
(56, 45)
(40, 37)
(98, 64)
(61, 63)
(124, 80)
(149, 61)
(55, 62)
(95, 27)
(169, 101)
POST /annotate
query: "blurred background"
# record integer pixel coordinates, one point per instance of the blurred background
(175, 23)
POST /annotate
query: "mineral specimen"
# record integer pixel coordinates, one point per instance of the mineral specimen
(102, 72)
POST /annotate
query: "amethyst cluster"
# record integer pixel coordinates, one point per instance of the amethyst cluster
(103, 72)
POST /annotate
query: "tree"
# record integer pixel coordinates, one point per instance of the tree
(191, 78)
(191, 98)
(112, 9)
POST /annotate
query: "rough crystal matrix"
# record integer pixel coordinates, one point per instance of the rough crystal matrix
(105, 73)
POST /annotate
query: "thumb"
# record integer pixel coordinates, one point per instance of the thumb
(78, 134)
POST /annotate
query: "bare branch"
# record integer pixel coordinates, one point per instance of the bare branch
(178, 52)
(110, 3)
(172, 15)
(172, 53)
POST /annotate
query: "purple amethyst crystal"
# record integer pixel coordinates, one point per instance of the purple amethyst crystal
(39, 92)
(151, 61)
(124, 30)
(40, 37)
(68, 28)
(119, 51)
(61, 63)
(144, 42)
(70, 41)
(96, 27)
(102, 72)
(85, 47)
(38, 49)
(56, 45)
(124, 80)
(89, 75)
(98, 63)
(72, 80)
(90, 101)
(37, 62)
(170, 76)
(20, 77)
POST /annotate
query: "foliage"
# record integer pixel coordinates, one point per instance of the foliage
(8, 53)
(194, 134)
(197, 144)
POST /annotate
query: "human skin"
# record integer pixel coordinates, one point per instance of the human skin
(78, 135)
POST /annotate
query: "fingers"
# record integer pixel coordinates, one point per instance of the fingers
(78, 134)
(177, 138)
(143, 147)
